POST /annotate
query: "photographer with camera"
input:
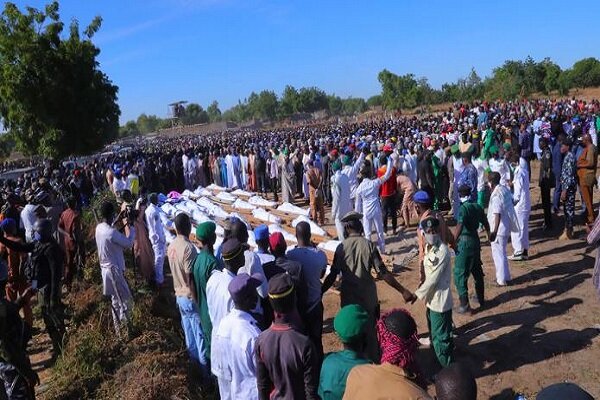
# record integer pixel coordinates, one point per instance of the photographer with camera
(111, 243)
(44, 270)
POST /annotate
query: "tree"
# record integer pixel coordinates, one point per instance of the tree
(129, 129)
(214, 114)
(289, 102)
(54, 99)
(398, 91)
(335, 105)
(354, 105)
(147, 123)
(375, 101)
(311, 99)
(194, 114)
(552, 74)
(586, 73)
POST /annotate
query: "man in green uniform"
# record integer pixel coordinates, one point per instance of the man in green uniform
(355, 257)
(204, 266)
(349, 324)
(435, 291)
(468, 254)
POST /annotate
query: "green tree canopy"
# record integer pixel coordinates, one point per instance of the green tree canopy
(194, 114)
(54, 99)
(213, 111)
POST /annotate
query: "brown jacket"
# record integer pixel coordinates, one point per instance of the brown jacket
(384, 381)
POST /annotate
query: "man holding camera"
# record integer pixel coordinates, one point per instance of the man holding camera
(111, 243)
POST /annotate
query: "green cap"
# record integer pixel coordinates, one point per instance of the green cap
(454, 149)
(336, 165)
(205, 230)
(506, 146)
(346, 160)
(350, 323)
(493, 149)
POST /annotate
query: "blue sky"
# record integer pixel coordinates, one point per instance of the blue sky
(159, 51)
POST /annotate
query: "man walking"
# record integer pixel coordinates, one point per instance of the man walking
(356, 258)
(547, 181)
(340, 197)
(468, 254)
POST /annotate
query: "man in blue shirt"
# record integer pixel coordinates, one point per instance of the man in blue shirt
(314, 263)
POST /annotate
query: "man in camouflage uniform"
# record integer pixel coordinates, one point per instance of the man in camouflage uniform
(568, 183)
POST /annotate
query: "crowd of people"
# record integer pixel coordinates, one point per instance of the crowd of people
(253, 319)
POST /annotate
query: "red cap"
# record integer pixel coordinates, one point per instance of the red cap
(387, 148)
(334, 153)
(276, 240)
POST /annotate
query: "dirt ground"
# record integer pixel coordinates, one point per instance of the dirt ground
(542, 329)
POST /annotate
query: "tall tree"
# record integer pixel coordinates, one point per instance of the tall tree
(213, 111)
(194, 114)
(54, 98)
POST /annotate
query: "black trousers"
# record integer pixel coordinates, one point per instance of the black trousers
(546, 204)
(389, 206)
(274, 188)
(313, 322)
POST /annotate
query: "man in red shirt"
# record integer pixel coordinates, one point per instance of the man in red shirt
(389, 193)
(69, 225)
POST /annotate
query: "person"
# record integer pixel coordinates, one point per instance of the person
(388, 193)
(142, 248)
(455, 382)
(282, 264)
(204, 265)
(17, 376)
(557, 164)
(349, 324)
(157, 237)
(314, 179)
(468, 254)
(502, 220)
(564, 390)
(367, 202)
(218, 298)
(17, 284)
(340, 197)
(133, 182)
(252, 263)
(314, 264)
(398, 376)
(45, 268)
(111, 243)
(522, 202)
(435, 291)
(261, 237)
(547, 181)
(235, 340)
(182, 255)
(28, 217)
(456, 167)
(568, 186)
(288, 175)
(481, 165)
(407, 188)
(424, 206)
(586, 174)
(69, 225)
(287, 366)
(351, 171)
(355, 258)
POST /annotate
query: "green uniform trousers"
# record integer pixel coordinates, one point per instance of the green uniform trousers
(481, 198)
(440, 329)
(468, 262)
